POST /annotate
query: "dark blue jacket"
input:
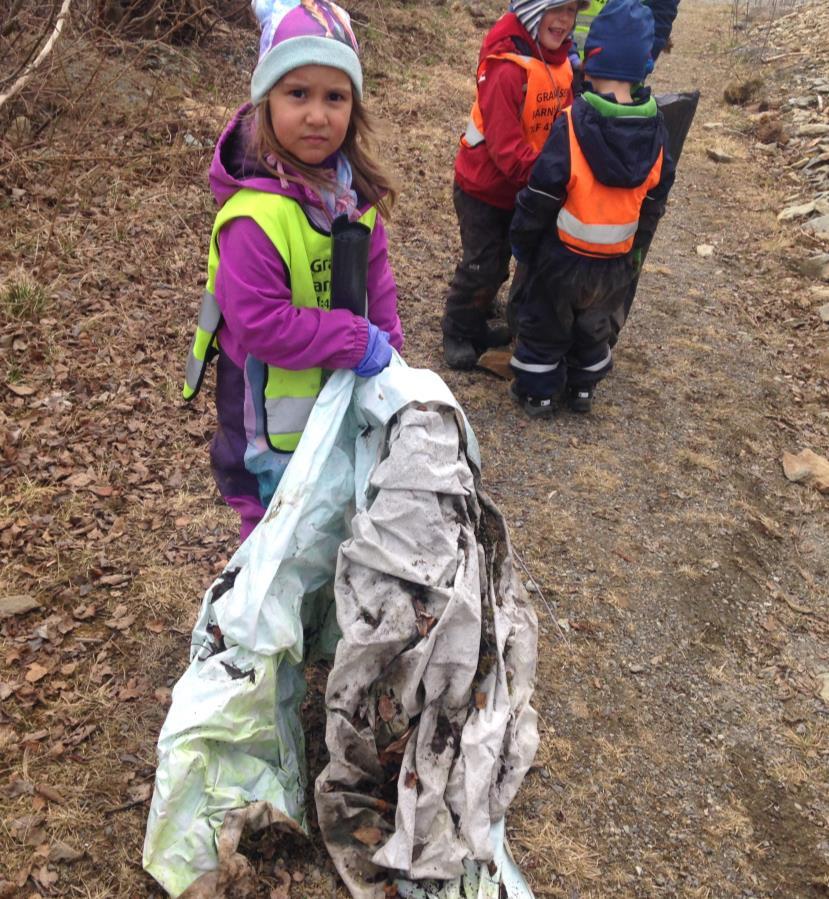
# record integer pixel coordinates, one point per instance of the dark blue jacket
(664, 13)
(621, 151)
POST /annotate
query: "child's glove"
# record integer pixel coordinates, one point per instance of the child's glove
(377, 355)
(636, 259)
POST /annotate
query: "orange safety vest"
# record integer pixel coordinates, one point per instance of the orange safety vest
(548, 88)
(597, 220)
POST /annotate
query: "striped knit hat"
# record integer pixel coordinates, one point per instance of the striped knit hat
(531, 12)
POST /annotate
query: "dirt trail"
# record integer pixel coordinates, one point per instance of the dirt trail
(683, 580)
(684, 749)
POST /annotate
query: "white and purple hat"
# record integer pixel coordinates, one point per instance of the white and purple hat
(305, 33)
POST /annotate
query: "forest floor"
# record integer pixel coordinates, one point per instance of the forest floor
(681, 579)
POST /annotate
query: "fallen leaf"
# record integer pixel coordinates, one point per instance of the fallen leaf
(808, 467)
(82, 613)
(370, 836)
(48, 792)
(21, 389)
(120, 624)
(283, 889)
(480, 701)
(63, 852)
(411, 779)
(36, 672)
(823, 677)
(18, 604)
(45, 877)
(140, 792)
(497, 361)
(134, 689)
(163, 695)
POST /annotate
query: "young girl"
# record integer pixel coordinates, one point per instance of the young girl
(524, 82)
(285, 167)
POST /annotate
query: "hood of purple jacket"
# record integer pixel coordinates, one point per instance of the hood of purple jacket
(235, 166)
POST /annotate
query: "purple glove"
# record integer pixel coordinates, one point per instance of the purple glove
(575, 59)
(377, 355)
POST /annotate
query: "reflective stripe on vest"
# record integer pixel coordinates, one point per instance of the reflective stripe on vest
(597, 220)
(305, 252)
(204, 345)
(549, 88)
(584, 19)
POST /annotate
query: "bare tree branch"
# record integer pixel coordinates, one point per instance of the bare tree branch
(45, 51)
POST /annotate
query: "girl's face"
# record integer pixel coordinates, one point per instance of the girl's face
(556, 25)
(310, 109)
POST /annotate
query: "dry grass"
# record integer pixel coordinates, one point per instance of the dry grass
(107, 499)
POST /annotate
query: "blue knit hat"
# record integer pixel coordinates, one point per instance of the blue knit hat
(303, 33)
(619, 42)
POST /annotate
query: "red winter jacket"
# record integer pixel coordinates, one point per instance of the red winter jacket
(497, 169)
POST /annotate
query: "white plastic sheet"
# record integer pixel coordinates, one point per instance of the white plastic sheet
(231, 752)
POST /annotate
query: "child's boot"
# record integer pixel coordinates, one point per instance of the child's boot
(534, 406)
(459, 353)
(580, 399)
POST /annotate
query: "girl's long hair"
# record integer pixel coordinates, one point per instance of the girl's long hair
(372, 183)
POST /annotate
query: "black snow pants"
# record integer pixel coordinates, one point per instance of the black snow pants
(482, 270)
(564, 312)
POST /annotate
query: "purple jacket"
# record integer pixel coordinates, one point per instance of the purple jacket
(252, 288)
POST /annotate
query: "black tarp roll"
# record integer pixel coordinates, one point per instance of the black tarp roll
(349, 265)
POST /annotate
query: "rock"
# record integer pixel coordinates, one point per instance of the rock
(796, 212)
(813, 129)
(739, 93)
(17, 605)
(816, 267)
(823, 312)
(718, 155)
(705, 250)
(711, 126)
(819, 294)
(819, 226)
(802, 102)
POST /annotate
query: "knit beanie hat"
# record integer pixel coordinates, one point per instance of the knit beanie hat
(618, 45)
(303, 33)
(531, 12)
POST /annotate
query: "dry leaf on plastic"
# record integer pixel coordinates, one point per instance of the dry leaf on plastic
(371, 836)
(808, 467)
(385, 708)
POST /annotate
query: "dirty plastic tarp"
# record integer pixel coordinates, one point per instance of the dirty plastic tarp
(434, 670)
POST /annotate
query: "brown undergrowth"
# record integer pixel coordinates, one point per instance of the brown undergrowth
(681, 582)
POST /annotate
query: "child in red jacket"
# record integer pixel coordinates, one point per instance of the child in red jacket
(524, 82)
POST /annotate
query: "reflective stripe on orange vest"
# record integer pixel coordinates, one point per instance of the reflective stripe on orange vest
(597, 220)
(549, 88)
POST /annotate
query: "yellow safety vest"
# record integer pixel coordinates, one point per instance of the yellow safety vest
(306, 253)
(584, 19)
